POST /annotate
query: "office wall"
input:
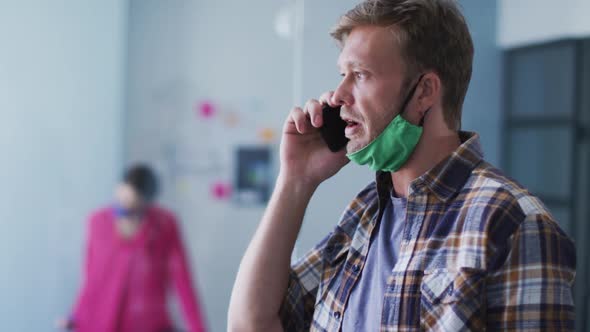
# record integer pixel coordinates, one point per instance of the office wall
(524, 22)
(61, 98)
(183, 54)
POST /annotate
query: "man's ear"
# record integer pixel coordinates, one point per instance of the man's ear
(429, 92)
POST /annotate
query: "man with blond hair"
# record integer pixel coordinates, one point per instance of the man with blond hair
(441, 240)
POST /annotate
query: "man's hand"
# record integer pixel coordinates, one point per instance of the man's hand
(304, 154)
(263, 276)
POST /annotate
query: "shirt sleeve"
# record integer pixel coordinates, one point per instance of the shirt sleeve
(181, 277)
(297, 309)
(532, 288)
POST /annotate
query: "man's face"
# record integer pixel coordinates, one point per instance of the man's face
(372, 75)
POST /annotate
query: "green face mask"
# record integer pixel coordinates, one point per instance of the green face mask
(392, 148)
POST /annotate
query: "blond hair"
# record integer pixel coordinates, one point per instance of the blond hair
(432, 35)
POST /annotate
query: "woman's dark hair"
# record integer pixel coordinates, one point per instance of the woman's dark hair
(143, 180)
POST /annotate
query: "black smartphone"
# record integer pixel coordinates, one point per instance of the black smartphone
(333, 129)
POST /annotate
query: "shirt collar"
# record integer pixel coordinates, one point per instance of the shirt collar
(446, 178)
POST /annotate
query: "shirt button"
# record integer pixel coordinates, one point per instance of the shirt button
(337, 314)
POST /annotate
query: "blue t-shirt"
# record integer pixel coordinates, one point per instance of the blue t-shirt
(363, 311)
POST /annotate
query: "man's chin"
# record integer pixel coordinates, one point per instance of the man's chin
(353, 146)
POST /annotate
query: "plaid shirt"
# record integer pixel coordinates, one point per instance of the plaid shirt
(478, 252)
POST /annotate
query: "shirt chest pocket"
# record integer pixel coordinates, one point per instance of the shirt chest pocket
(453, 299)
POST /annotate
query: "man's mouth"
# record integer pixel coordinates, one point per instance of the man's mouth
(351, 127)
(350, 123)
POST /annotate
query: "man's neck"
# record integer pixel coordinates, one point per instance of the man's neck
(431, 150)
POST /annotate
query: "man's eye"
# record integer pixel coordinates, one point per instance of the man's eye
(359, 74)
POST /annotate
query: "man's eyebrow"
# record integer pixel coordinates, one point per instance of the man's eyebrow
(349, 64)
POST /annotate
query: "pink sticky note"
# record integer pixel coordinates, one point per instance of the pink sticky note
(221, 190)
(205, 109)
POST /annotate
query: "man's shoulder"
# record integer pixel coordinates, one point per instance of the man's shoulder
(496, 208)
(499, 205)
(489, 186)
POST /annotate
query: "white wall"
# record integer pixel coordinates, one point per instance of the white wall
(60, 136)
(181, 52)
(524, 22)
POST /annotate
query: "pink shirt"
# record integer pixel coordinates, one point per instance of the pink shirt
(126, 280)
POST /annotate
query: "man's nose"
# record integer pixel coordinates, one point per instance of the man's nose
(342, 95)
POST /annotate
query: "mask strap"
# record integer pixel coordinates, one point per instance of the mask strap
(409, 97)
(422, 121)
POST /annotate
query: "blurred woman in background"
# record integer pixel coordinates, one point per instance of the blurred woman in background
(134, 252)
